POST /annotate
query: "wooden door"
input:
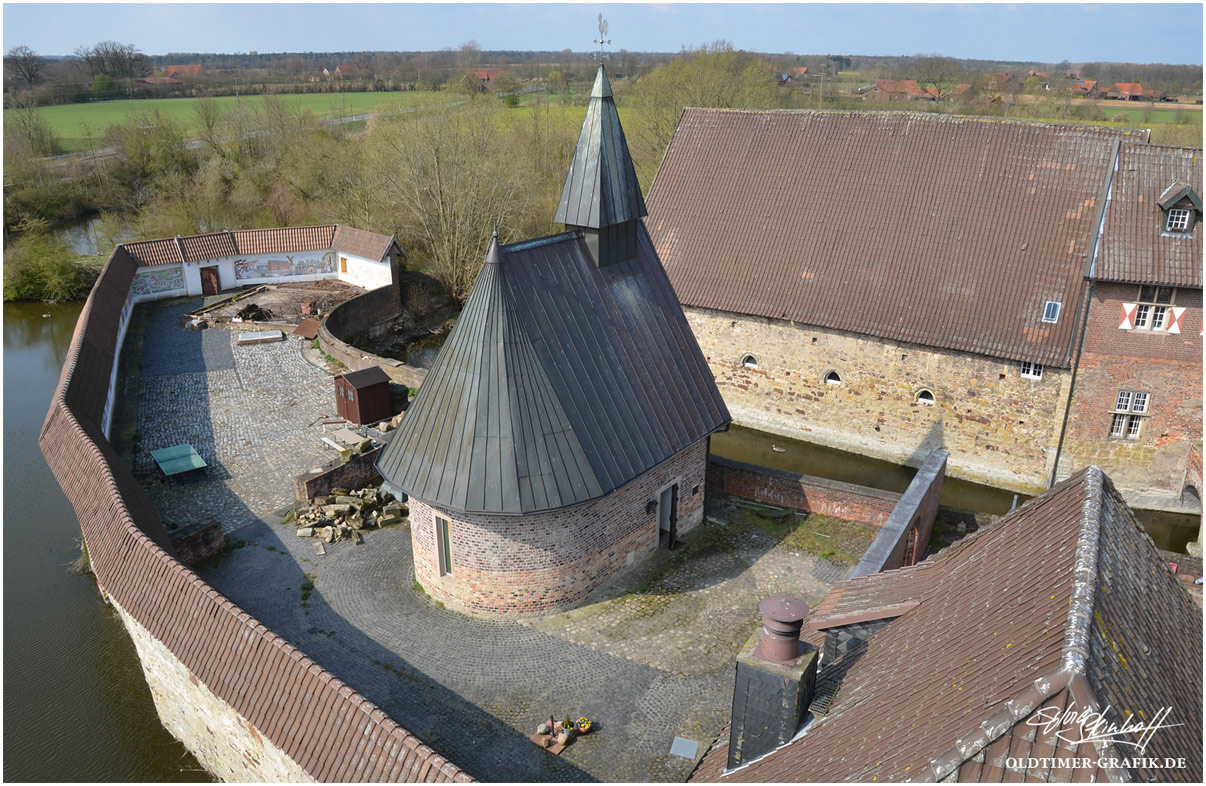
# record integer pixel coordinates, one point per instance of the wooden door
(667, 517)
(210, 283)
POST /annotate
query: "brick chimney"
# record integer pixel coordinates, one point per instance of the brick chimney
(776, 673)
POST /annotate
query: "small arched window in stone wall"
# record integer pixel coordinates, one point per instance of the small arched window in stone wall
(924, 396)
(1189, 496)
(749, 361)
(832, 378)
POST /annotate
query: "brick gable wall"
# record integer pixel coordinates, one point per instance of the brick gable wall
(1155, 467)
(551, 561)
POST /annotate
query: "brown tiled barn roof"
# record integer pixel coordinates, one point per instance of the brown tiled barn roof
(1134, 247)
(369, 245)
(267, 241)
(1065, 599)
(936, 230)
(212, 246)
(155, 252)
(271, 684)
(215, 245)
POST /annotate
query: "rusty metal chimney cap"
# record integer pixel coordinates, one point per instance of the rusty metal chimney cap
(783, 608)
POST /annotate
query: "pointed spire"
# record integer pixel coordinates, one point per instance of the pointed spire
(494, 255)
(601, 189)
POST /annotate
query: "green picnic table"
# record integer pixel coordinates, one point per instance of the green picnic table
(177, 459)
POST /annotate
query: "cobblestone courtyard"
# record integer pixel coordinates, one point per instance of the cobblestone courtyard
(648, 661)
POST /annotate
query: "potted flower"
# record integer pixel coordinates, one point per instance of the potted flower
(583, 725)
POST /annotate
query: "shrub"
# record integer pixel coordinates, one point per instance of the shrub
(40, 266)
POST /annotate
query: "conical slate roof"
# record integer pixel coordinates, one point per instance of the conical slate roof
(560, 383)
(601, 189)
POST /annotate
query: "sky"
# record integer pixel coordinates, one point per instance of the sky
(1038, 32)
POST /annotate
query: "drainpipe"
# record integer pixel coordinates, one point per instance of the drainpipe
(1078, 338)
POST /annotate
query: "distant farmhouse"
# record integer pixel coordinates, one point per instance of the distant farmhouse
(562, 433)
(192, 70)
(892, 283)
(946, 671)
(212, 263)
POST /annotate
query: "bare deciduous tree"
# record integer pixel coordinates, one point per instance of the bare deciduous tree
(447, 176)
(24, 64)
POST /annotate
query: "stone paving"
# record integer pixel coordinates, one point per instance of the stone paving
(253, 413)
(648, 659)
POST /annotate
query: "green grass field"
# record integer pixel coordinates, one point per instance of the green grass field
(1146, 114)
(79, 126)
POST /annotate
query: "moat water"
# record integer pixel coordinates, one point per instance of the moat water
(1170, 531)
(76, 706)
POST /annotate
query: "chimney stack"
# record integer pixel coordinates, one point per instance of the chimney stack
(776, 674)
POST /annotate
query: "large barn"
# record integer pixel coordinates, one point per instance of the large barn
(562, 433)
(889, 283)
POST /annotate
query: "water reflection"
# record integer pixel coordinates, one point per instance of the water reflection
(1170, 531)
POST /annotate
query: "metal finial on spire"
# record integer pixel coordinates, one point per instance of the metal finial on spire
(602, 39)
(496, 230)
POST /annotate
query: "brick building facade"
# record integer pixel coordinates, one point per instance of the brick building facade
(552, 560)
(561, 434)
(1137, 402)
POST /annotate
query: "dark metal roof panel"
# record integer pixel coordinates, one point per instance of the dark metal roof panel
(1134, 246)
(956, 230)
(601, 188)
(560, 383)
(373, 375)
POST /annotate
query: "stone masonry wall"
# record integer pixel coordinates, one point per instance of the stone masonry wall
(225, 743)
(999, 428)
(1152, 469)
(358, 470)
(354, 316)
(551, 561)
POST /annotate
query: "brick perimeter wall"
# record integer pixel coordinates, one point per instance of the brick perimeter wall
(912, 520)
(357, 315)
(804, 493)
(351, 474)
(272, 689)
(551, 561)
(1153, 469)
(1000, 429)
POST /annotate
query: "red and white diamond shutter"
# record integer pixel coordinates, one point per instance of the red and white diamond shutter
(1175, 325)
(1128, 316)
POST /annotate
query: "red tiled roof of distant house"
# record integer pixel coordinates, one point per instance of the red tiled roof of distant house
(185, 70)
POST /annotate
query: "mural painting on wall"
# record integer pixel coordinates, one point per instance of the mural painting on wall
(149, 282)
(290, 265)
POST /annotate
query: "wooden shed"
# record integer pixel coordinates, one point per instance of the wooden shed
(363, 396)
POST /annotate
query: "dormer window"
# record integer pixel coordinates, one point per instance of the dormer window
(1178, 220)
(1182, 206)
(1051, 311)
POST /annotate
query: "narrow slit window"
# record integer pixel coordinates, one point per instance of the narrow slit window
(444, 546)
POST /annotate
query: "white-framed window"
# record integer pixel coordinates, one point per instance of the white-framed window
(351, 395)
(924, 397)
(1151, 313)
(832, 378)
(1178, 220)
(1130, 409)
(1032, 370)
(749, 361)
(443, 535)
(1051, 311)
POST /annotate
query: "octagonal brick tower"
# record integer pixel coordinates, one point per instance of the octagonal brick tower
(561, 434)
